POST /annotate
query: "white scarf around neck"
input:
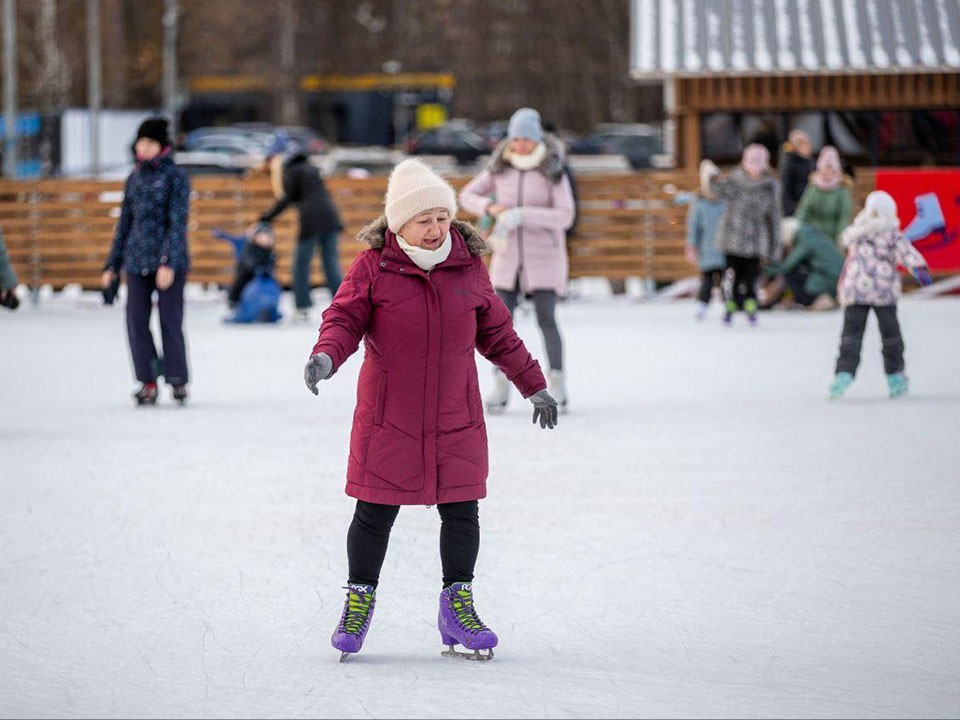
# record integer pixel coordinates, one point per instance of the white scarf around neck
(531, 161)
(426, 260)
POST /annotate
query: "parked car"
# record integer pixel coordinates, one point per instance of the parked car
(259, 137)
(492, 133)
(457, 141)
(358, 162)
(220, 152)
(638, 142)
(312, 142)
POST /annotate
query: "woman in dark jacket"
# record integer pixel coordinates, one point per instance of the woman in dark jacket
(320, 224)
(150, 246)
(795, 170)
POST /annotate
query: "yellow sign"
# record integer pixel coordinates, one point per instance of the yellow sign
(430, 115)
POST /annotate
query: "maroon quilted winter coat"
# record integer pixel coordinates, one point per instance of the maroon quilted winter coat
(418, 433)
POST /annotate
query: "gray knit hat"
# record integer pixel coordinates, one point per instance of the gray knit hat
(525, 123)
(413, 188)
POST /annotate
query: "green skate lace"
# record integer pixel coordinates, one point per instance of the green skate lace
(462, 603)
(356, 612)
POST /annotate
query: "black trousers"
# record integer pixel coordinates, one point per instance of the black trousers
(545, 303)
(796, 281)
(240, 279)
(369, 534)
(709, 279)
(146, 360)
(851, 339)
(740, 280)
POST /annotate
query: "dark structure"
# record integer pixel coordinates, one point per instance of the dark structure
(879, 79)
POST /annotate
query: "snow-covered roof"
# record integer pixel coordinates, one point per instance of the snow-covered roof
(704, 37)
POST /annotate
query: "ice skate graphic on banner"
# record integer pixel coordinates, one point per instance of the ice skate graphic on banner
(928, 204)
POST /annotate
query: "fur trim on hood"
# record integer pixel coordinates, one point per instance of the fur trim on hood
(867, 224)
(374, 235)
(551, 167)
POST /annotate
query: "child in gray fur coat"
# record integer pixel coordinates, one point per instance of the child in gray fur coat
(749, 230)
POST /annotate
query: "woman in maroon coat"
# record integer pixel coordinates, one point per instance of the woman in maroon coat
(421, 301)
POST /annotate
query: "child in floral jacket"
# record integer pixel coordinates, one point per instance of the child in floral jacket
(875, 247)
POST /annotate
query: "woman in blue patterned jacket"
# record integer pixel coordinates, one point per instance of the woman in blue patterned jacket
(150, 247)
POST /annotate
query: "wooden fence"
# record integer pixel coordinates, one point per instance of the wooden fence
(59, 231)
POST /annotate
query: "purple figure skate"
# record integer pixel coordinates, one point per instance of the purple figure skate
(459, 623)
(355, 620)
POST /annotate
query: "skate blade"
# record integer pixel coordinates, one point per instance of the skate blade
(344, 656)
(475, 655)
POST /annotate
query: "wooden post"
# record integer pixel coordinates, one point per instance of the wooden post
(690, 140)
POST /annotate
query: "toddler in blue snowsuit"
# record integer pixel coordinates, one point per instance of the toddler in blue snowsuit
(254, 293)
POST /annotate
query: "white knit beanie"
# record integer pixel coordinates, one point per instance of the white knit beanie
(414, 188)
(881, 204)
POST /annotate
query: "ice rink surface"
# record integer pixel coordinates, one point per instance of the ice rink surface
(704, 535)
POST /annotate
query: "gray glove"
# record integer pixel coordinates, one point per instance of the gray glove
(544, 409)
(319, 367)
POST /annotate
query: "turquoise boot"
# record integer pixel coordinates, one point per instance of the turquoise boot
(841, 381)
(898, 384)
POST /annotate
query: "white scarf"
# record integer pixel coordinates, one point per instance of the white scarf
(426, 260)
(530, 161)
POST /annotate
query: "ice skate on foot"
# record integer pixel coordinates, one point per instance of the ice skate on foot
(301, 315)
(841, 381)
(497, 399)
(898, 385)
(728, 311)
(180, 393)
(147, 394)
(355, 620)
(751, 307)
(557, 385)
(459, 624)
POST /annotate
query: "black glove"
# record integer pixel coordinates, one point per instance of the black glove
(544, 409)
(110, 292)
(319, 367)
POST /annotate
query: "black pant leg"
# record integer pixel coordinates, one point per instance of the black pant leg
(240, 280)
(736, 280)
(545, 304)
(706, 286)
(749, 277)
(139, 306)
(170, 304)
(851, 338)
(890, 338)
(367, 541)
(510, 297)
(459, 540)
(796, 280)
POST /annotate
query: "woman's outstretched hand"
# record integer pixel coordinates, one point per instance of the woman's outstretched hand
(544, 409)
(318, 368)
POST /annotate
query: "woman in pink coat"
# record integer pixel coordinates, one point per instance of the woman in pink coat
(525, 189)
(421, 301)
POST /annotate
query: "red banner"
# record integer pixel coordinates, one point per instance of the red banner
(928, 203)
